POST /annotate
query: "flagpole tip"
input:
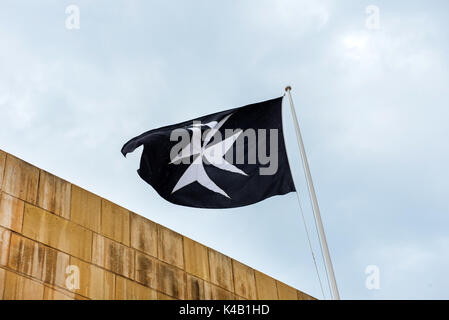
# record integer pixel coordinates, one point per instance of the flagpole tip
(288, 88)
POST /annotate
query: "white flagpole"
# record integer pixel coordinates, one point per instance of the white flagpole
(327, 255)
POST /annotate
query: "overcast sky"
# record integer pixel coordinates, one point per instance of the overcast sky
(372, 101)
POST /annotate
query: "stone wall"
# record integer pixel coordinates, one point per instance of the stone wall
(59, 241)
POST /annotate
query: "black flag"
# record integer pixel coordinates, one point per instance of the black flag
(227, 159)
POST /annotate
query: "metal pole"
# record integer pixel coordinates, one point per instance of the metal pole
(327, 255)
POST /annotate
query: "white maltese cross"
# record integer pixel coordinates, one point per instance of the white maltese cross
(213, 154)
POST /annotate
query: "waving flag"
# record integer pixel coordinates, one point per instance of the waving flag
(227, 159)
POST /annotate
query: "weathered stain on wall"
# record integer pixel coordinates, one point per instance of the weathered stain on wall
(59, 241)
